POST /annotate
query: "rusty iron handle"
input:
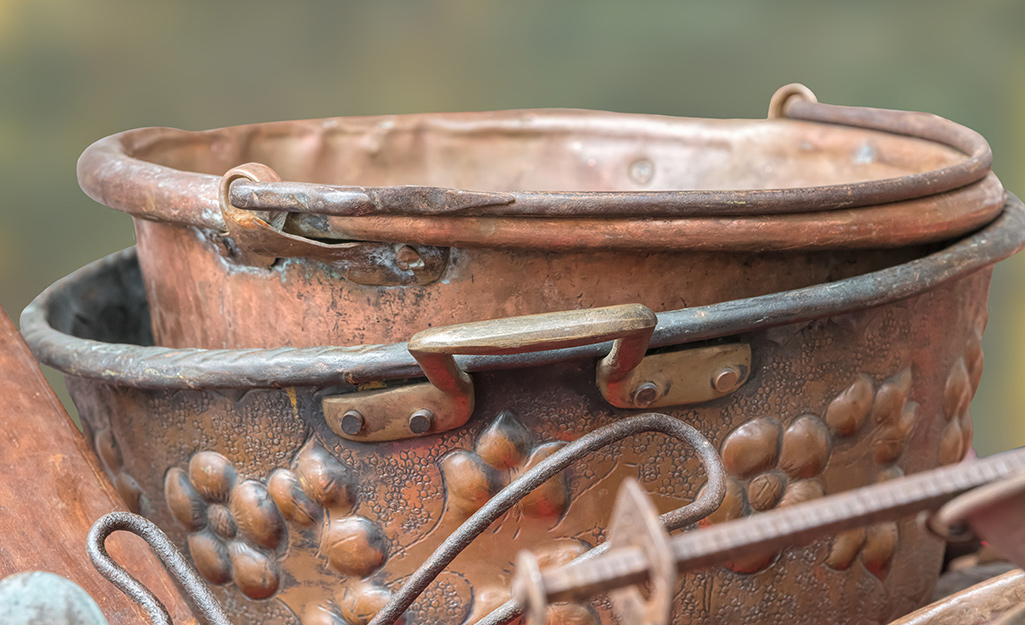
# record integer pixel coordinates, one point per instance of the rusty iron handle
(176, 564)
(791, 101)
(996, 512)
(260, 239)
(707, 501)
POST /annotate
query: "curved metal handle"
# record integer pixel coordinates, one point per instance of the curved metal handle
(792, 101)
(447, 400)
(630, 325)
(260, 239)
(175, 563)
(707, 501)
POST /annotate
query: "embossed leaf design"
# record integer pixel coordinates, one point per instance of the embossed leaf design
(355, 546)
(974, 359)
(256, 514)
(848, 412)
(891, 397)
(183, 500)
(846, 547)
(806, 447)
(359, 603)
(212, 475)
(324, 479)
(505, 443)
(210, 555)
(957, 392)
(291, 499)
(470, 481)
(255, 574)
(880, 545)
(551, 498)
(752, 447)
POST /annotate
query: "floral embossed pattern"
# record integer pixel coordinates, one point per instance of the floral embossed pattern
(318, 494)
(113, 463)
(894, 418)
(773, 466)
(770, 467)
(962, 382)
(504, 450)
(235, 531)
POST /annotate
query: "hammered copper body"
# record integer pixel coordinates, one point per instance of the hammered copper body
(851, 383)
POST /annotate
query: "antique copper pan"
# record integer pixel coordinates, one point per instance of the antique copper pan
(399, 223)
(308, 484)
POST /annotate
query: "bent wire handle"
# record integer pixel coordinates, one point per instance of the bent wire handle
(791, 101)
(175, 563)
(707, 502)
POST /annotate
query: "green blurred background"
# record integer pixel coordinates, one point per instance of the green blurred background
(74, 71)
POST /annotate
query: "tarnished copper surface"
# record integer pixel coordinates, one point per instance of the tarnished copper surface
(296, 524)
(441, 216)
(806, 298)
(144, 366)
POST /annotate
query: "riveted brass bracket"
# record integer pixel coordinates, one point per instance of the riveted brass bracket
(686, 376)
(625, 377)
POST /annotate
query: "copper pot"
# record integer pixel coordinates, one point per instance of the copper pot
(309, 483)
(396, 224)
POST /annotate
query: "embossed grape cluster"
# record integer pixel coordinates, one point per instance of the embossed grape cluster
(504, 450)
(235, 531)
(771, 466)
(318, 494)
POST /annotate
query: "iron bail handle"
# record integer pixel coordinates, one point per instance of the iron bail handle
(260, 239)
(626, 377)
(793, 101)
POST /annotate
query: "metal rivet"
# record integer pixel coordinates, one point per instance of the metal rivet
(352, 423)
(645, 394)
(725, 380)
(642, 171)
(420, 422)
(407, 259)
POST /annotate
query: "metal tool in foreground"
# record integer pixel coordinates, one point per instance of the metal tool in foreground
(988, 496)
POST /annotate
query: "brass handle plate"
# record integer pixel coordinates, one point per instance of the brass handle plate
(626, 378)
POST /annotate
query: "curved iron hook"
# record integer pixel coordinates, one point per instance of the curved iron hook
(706, 503)
(175, 563)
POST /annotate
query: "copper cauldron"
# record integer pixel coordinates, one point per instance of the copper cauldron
(235, 454)
(821, 338)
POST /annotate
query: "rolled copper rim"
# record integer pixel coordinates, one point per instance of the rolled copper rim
(919, 207)
(160, 367)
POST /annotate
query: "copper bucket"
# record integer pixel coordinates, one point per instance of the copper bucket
(309, 482)
(463, 217)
